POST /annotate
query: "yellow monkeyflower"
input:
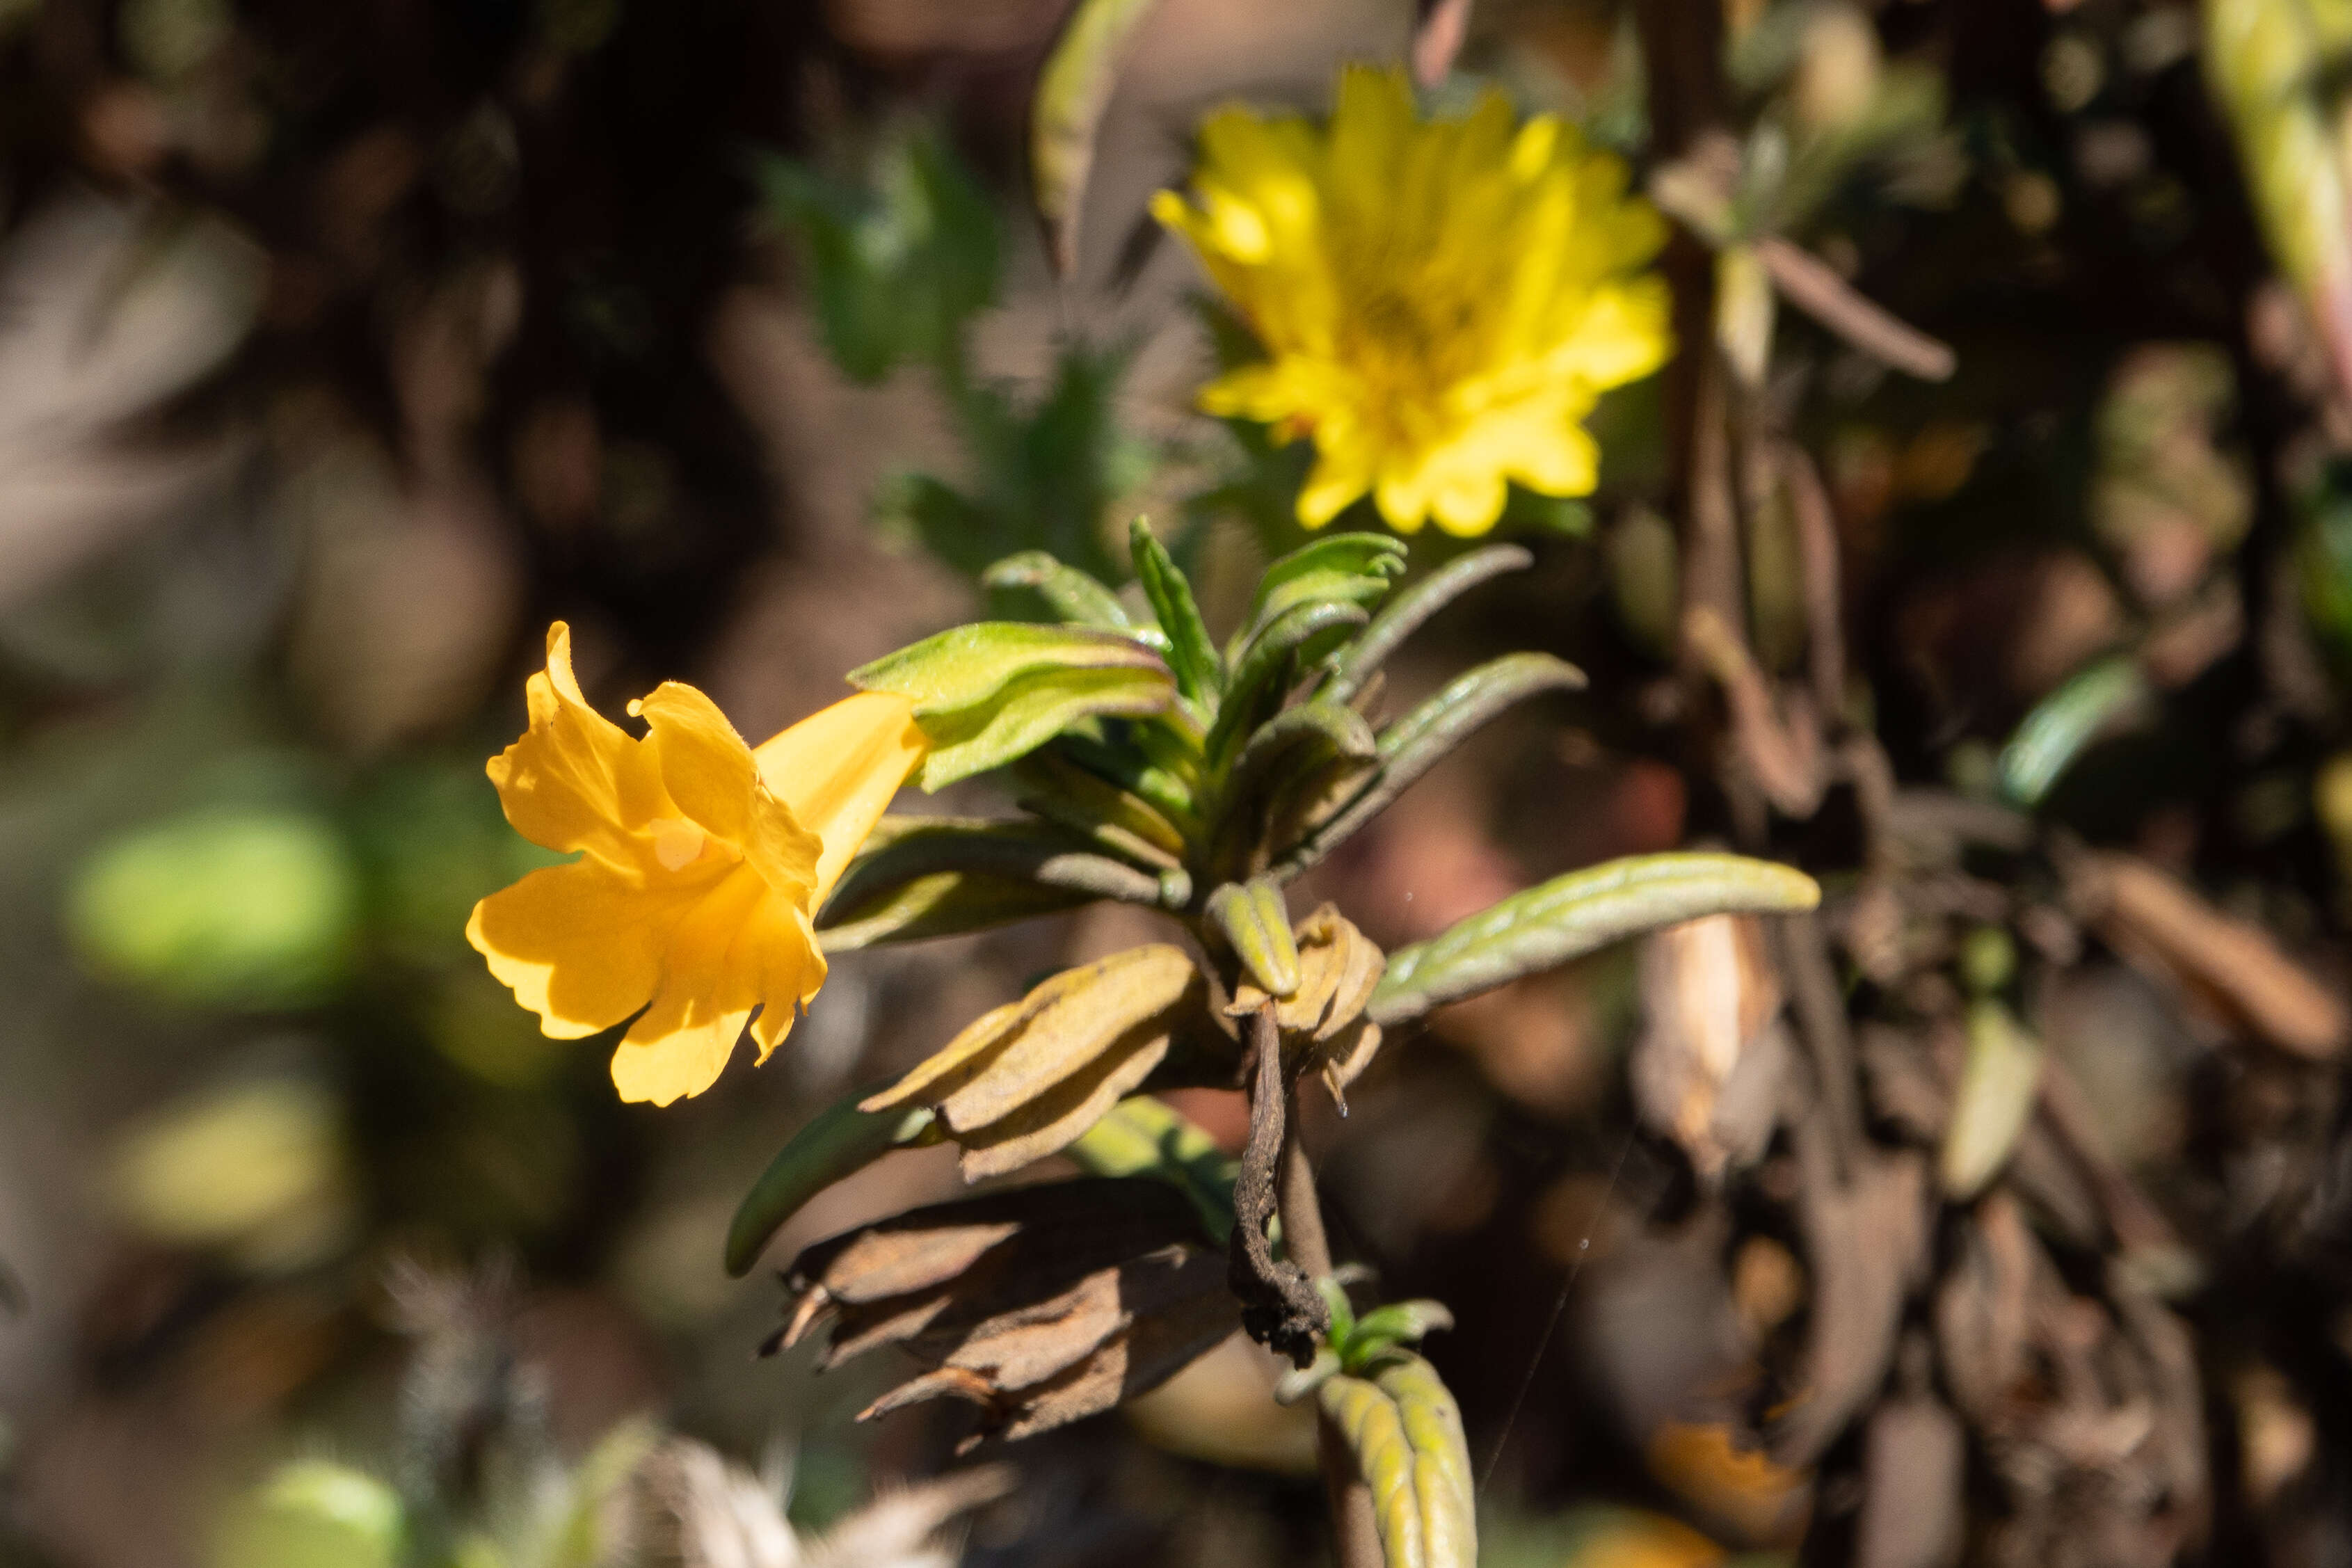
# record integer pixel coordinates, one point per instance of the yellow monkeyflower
(1441, 301)
(702, 863)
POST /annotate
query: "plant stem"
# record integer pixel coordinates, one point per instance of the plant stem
(1354, 1534)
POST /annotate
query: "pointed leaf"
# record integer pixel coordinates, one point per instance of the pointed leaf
(837, 1142)
(1147, 1137)
(965, 667)
(1263, 673)
(1252, 919)
(906, 850)
(1418, 742)
(1200, 676)
(1567, 916)
(1406, 614)
(1032, 711)
(1072, 595)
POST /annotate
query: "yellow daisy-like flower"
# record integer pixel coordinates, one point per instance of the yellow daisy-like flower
(1441, 301)
(702, 863)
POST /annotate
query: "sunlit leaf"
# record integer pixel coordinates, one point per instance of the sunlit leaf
(1567, 916)
(1200, 673)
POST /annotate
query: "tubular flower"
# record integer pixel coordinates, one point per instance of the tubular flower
(1441, 302)
(702, 863)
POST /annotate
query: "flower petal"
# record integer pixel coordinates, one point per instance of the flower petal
(680, 1044)
(711, 773)
(575, 780)
(837, 769)
(580, 945)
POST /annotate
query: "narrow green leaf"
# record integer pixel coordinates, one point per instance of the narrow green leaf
(1473, 697)
(944, 903)
(1353, 568)
(1072, 595)
(1411, 608)
(1399, 1322)
(1418, 742)
(1147, 1137)
(1058, 790)
(1251, 917)
(1999, 1083)
(1200, 675)
(966, 666)
(2088, 705)
(839, 1141)
(1122, 759)
(1262, 674)
(1441, 1460)
(1375, 1430)
(1073, 91)
(1567, 916)
(907, 849)
(1032, 711)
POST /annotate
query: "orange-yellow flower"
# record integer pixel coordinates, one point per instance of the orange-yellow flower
(702, 863)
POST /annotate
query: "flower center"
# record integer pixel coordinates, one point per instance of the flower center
(678, 844)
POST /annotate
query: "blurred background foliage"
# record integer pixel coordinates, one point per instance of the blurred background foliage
(341, 348)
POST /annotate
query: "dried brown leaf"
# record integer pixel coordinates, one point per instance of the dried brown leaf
(1014, 1052)
(1708, 991)
(2150, 915)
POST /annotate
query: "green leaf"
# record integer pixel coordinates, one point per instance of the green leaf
(1411, 608)
(1405, 1433)
(1200, 675)
(1294, 760)
(1032, 711)
(1422, 738)
(1567, 916)
(966, 666)
(1250, 916)
(1382, 1329)
(1263, 673)
(1442, 1480)
(1123, 759)
(315, 1513)
(1073, 91)
(2088, 705)
(2000, 1081)
(1058, 789)
(1072, 595)
(1352, 568)
(903, 851)
(1147, 1137)
(1298, 1382)
(838, 1141)
(944, 903)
